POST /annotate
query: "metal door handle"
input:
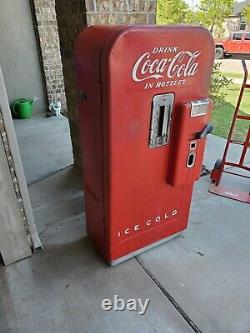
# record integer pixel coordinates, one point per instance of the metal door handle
(206, 130)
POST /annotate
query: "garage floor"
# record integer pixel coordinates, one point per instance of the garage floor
(198, 282)
(44, 144)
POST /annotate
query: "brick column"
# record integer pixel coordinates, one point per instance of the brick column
(72, 17)
(47, 31)
(121, 11)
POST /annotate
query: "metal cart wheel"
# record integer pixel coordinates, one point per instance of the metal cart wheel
(217, 164)
(214, 176)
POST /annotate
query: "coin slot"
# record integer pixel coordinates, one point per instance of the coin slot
(191, 160)
(193, 145)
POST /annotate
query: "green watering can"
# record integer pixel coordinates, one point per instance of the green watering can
(22, 108)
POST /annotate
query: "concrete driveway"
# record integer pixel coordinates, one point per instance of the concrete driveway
(198, 282)
(230, 65)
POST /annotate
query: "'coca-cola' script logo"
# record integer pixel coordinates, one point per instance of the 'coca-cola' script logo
(181, 65)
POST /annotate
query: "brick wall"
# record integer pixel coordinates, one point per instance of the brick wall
(47, 30)
(120, 11)
(72, 17)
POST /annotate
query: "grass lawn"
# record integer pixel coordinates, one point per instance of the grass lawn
(222, 114)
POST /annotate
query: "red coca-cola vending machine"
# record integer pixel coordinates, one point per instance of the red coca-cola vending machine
(144, 115)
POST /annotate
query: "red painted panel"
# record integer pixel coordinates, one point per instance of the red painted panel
(131, 198)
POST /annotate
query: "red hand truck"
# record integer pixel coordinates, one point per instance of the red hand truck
(220, 164)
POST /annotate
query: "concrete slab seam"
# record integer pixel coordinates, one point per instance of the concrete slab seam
(49, 175)
(169, 297)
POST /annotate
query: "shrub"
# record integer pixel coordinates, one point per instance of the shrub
(218, 84)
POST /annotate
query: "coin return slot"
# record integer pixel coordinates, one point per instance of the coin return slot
(191, 160)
